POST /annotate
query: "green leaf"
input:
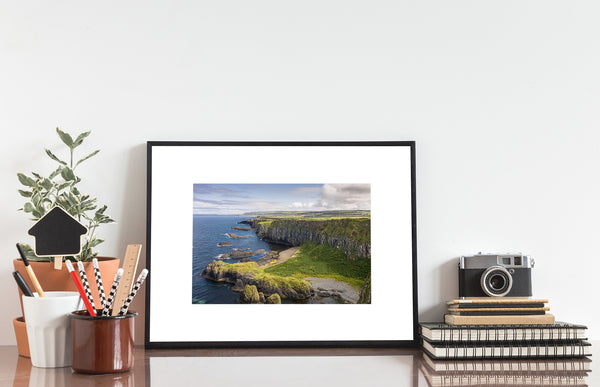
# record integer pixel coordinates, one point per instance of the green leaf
(73, 200)
(28, 207)
(94, 153)
(35, 199)
(26, 180)
(36, 175)
(63, 186)
(26, 248)
(67, 174)
(47, 184)
(54, 157)
(106, 220)
(25, 194)
(96, 242)
(80, 138)
(65, 137)
(55, 173)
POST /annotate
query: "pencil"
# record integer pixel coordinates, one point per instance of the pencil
(99, 282)
(136, 287)
(22, 284)
(112, 292)
(85, 283)
(88, 306)
(30, 272)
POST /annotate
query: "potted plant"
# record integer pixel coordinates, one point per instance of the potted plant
(60, 188)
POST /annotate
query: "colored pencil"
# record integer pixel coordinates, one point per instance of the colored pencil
(86, 301)
(30, 272)
(111, 294)
(136, 287)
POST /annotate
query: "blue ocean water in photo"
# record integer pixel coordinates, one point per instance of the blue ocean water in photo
(208, 231)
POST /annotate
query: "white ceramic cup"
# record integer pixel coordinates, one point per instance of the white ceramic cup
(48, 327)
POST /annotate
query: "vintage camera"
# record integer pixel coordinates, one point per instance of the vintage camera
(495, 275)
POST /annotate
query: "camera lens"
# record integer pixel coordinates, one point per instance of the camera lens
(496, 281)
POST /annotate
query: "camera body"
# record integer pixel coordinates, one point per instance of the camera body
(494, 275)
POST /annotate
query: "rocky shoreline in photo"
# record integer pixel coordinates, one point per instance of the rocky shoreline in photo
(248, 273)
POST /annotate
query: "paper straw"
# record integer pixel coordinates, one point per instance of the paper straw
(113, 291)
(85, 283)
(99, 282)
(136, 287)
(79, 287)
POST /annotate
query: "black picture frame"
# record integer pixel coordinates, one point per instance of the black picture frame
(152, 342)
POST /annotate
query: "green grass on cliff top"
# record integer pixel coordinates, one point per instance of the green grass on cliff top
(314, 260)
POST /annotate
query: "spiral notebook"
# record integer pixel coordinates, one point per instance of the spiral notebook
(506, 349)
(556, 331)
(571, 378)
(509, 365)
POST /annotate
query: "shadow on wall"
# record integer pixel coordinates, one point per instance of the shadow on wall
(448, 288)
(132, 222)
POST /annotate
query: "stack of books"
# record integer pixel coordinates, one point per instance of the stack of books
(502, 310)
(505, 354)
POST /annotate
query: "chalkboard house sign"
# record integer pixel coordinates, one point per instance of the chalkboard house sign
(57, 234)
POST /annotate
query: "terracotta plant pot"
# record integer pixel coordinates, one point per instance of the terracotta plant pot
(21, 335)
(60, 280)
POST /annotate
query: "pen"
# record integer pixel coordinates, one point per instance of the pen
(22, 284)
(30, 272)
(113, 290)
(85, 284)
(89, 307)
(136, 287)
(99, 282)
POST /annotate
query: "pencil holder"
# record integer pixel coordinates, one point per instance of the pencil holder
(48, 329)
(102, 344)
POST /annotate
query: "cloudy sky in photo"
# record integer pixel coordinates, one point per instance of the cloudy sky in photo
(229, 199)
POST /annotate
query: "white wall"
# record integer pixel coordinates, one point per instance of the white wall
(502, 98)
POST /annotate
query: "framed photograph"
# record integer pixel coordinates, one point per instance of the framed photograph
(281, 244)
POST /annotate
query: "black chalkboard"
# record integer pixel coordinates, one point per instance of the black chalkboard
(57, 234)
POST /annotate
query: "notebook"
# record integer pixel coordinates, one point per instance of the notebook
(435, 379)
(556, 331)
(543, 319)
(509, 365)
(506, 349)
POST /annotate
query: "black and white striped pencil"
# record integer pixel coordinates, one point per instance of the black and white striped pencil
(99, 282)
(112, 292)
(85, 284)
(136, 287)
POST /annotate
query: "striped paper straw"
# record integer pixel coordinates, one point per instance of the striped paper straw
(85, 283)
(113, 291)
(99, 282)
(136, 287)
